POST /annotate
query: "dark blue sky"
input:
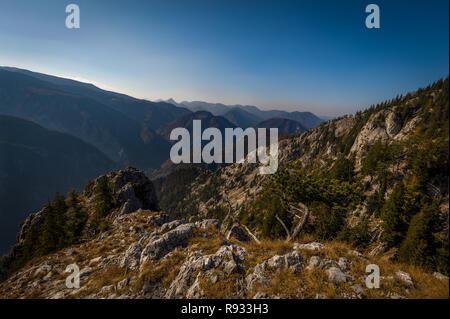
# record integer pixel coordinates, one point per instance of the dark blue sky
(296, 55)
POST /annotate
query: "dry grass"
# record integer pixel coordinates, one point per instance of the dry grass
(109, 275)
(164, 273)
(223, 288)
(257, 253)
(208, 241)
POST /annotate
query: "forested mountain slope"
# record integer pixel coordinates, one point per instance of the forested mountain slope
(34, 164)
(377, 179)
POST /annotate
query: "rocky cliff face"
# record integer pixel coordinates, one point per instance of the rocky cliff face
(144, 256)
(132, 189)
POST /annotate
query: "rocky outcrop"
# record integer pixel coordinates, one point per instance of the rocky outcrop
(186, 260)
(159, 246)
(131, 187)
(132, 256)
(261, 275)
(210, 268)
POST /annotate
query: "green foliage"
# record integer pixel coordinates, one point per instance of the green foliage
(392, 215)
(420, 246)
(292, 184)
(76, 217)
(327, 221)
(62, 224)
(358, 236)
(329, 200)
(343, 169)
(104, 203)
(174, 191)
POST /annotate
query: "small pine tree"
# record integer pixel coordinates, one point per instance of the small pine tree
(418, 248)
(76, 217)
(48, 240)
(104, 203)
(392, 214)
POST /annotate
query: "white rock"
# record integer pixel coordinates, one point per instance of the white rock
(440, 276)
(336, 276)
(309, 246)
(404, 277)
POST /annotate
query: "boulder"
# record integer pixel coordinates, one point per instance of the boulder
(206, 223)
(262, 272)
(440, 276)
(337, 276)
(314, 263)
(227, 260)
(171, 225)
(404, 277)
(158, 247)
(131, 257)
(310, 246)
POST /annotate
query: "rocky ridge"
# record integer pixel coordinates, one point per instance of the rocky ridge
(144, 255)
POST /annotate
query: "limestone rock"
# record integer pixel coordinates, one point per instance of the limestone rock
(132, 257)
(404, 277)
(160, 246)
(171, 225)
(310, 246)
(206, 223)
(440, 276)
(337, 276)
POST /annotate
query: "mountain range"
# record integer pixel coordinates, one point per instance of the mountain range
(101, 130)
(365, 189)
(247, 115)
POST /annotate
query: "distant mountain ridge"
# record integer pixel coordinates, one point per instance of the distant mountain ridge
(283, 125)
(78, 111)
(307, 119)
(207, 120)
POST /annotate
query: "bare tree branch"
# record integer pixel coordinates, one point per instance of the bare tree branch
(302, 221)
(288, 237)
(238, 222)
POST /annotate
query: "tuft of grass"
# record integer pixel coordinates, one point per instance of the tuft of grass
(208, 241)
(164, 273)
(266, 249)
(224, 288)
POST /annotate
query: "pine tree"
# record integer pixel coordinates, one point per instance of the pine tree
(419, 244)
(49, 237)
(104, 203)
(76, 217)
(392, 214)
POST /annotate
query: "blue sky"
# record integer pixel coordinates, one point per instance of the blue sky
(296, 55)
